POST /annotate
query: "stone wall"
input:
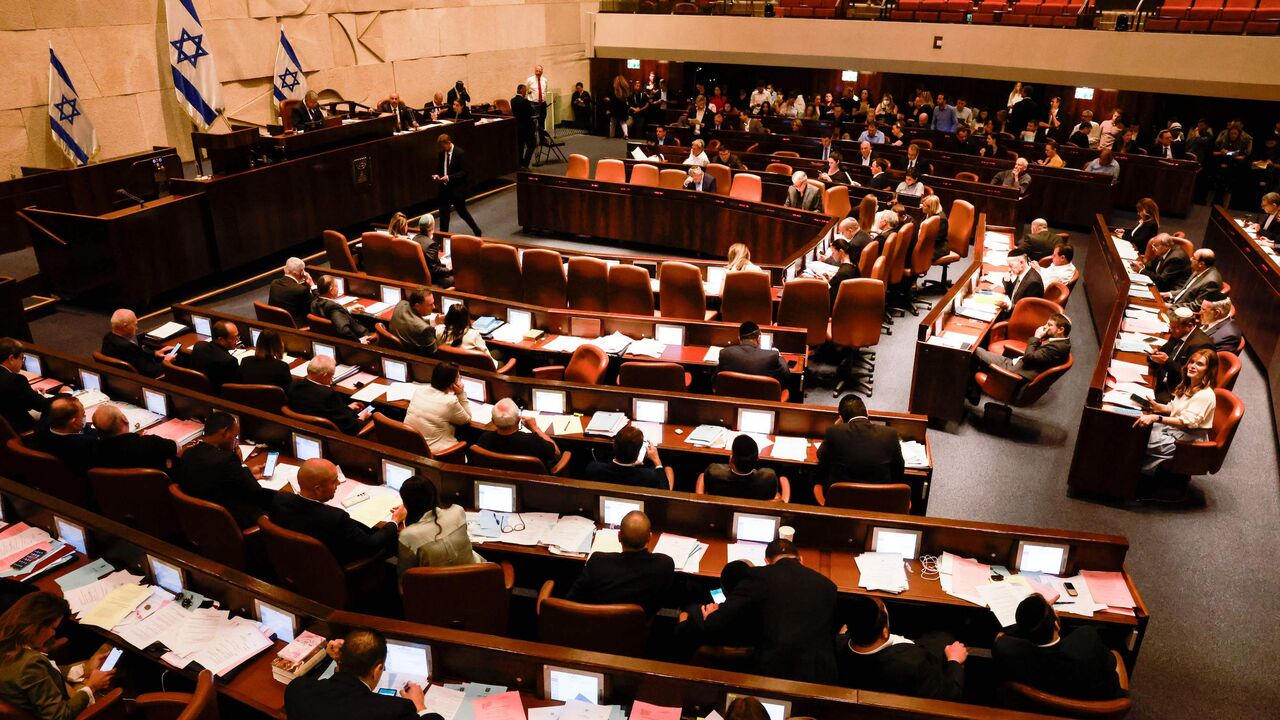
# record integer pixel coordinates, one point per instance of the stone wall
(116, 54)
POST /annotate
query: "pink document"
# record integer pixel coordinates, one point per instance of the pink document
(645, 711)
(1109, 588)
(503, 706)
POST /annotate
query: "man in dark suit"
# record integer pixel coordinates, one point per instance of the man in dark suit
(1170, 267)
(1049, 347)
(119, 448)
(1204, 280)
(1185, 337)
(699, 180)
(17, 399)
(292, 291)
(1166, 147)
(790, 611)
(62, 433)
(313, 395)
(634, 575)
(458, 92)
(1034, 652)
(507, 439)
(455, 184)
(212, 470)
(307, 513)
(880, 179)
(842, 258)
(405, 117)
(1016, 177)
(526, 126)
(122, 344)
(871, 658)
(922, 166)
(802, 195)
(1217, 323)
(361, 657)
(308, 115)
(1024, 111)
(1038, 243)
(725, 157)
(962, 143)
(213, 357)
(748, 357)
(1269, 226)
(345, 324)
(628, 465)
(857, 450)
(1022, 281)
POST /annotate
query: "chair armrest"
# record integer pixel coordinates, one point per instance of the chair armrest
(999, 331)
(110, 705)
(508, 575)
(1000, 383)
(455, 453)
(549, 372)
(251, 532)
(1194, 458)
(365, 431)
(162, 705)
(562, 463)
(358, 566)
(544, 592)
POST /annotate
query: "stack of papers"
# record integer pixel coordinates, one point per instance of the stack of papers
(167, 331)
(342, 372)
(1004, 597)
(571, 535)
(705, 435)
(19, 541)
(881, 571)
(687, 552)
(139, 418)
(483, 525)
(376, 308)
(401, 391)
(375, 507)
(1127, 372)
(564, 343)
(647, 347)
(960, 577)
(914, 454)
(606, 540)
(752, 552)
(713, 355)
(179, 431)
(486, 324)
(606, 423)
(1125, 248)
(1111, 590)
(1139, 278)
(613, 344)
(790, 448)
(508, 334)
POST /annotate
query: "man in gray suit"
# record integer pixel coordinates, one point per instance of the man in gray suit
(749, 358)
(413, 321)
(1048, 348)
(803, 195)
(1205, 279)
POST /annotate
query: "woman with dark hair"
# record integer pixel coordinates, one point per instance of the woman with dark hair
(991, 148)
(746, 708)
(28, 678)
(457, 331)
(435, 409)
(267, 366)
(434, 535)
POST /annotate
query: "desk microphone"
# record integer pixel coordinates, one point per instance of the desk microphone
(131, 196)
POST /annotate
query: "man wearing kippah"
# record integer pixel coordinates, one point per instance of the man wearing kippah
(748, 357)
(1035, 652)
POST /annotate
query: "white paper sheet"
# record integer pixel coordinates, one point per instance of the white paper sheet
(749, 551)
(790, 448)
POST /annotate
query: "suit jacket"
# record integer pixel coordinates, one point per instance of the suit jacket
(346, 538)
(708, 183)
(304, 118)
(459, 172)
(1225, 336)
(453, 94)
(646, 476)
(735, 163)
(1176, 147)
(314, 399)
(522, 110)
(412, 329)
(881, 181)
(811, 200)
(344, 323)
(924, 166)
(1079, 666)
(1140, 235)
(1042, 355)
(1005, 178)
(1038, 245)
(131, 450)
(857, 244)
(1031, 286)
(1170, 271)
(291, 295)
(142, 360)
(1169, 374)
(642, 578)
(216, 362)
(342, 697)
(216, 475)
(17, 399)
(32, 683)
(1272, 231)
(753, 360)
(404, 113)
(902, 669)
(847, 271)
(265, 371)
(79, 451)
(860, 451)
(1196, 287)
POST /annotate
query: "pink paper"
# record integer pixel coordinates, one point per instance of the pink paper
(1049, 594)
(1108, 588)
(503, 706)
(175, 430)
(967, 575)
(645, 711)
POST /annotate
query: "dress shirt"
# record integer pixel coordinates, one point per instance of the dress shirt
(876, 139)
(1058, 273)
(944, 118)
(1112, 169)
(537, 88)
(905, 189)
(434, 413)
(700, 160)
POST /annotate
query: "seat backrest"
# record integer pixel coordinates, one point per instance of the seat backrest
(468, 271)
(966, 175)
(113, 362)
(588, 284)
(1039, 385)
(498, 461)
(742, 385)
(398, 435)
(858, 313)
(897, 264)
(746, 186)
(747, 295)
(138, 497)
(645, 175)
(474, 359)
(1228, 369)
(1226, 418)
(47, 473)
(611, 170)
(410, 263)
(314, 420)
(806, 303)
(187, 378)
(203, 704)
(587, 365)
(544, 281)
(866, 261)
(386, 338)
(671, 179)
(867, 211)
(376, 254)
(272, 314)
(960, 222)
(629, 290)
(786, 154)
(1028, 314)
(1020, 696)
(579, 167)
(1057, 293)
(338, 252)
(286, 112)
(837, 201)
(680, 291)
(652, 376)
(778, 168)
(502, 277)
(722, 174)
(321, 325)
(880, 270)
(876, 497)
(1185, 244)
(615, 629)
(487, 603)
(304, 565)
(922, 254)
(209, 528)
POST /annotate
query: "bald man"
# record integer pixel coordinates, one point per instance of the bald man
(1039, 242)
(313, 395)
(62, 432)
(122, 344)
(119, 447)
(307, 513)
(634, 575)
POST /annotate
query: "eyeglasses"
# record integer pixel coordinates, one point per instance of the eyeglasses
(508, 526)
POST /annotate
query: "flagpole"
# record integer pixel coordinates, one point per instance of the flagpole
(196, 151)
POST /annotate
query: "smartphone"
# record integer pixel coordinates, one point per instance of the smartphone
(1142, 402)
(113, 657)
(354, 499)
(717, 596)
(388, 691)
(29, 558)
(269, 469)
(176, 348)
(1071, 589)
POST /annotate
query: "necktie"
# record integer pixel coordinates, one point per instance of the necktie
(447, 157)
(539, 82)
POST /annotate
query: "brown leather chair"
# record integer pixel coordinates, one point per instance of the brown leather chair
(746, 186)
(202, 704)
(376, 255)
(722, 174)
(897, 263)
(666, 376)
(1205, 457)
(1010, 389)
(386, 338)
(671, 179)
(184, 377)
(1027, 316)
(473, 359)
(544, 278)
(338, 251)
(879, 271)
(108, 707)
(806, 303)
(615, 629)
(1019, 696)
(47, 474)
(967, 176)
(112, 362)
(468, 269)
(644, 175)
(486, 588)
(1228, 369)
(753, 387)
(501, 277)
(1057, 293)
(211, 530)
(921, 261)
(855, 324)
(302, 564)
(680, 292)
(836, 201)
(410, 263)
(778, 168)
(867, 260)
(274, 315)
(579, 167)
(587, 365)
(1180, 238)
(137, 497)
(321, 325)
(960, 223)
(875, 497)
(588, 284)
(611, 170)
(867, 207)
(516, 463)
(747, 295)
(267, 398)
(312, 420)
(400, 436)
(629, 290)
(786, 154)
(286, 113)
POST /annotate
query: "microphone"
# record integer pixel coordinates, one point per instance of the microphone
(125, 193)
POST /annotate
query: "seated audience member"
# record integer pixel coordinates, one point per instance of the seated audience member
(699, 181)
(1021, 281)
(266, 366)
(1039, 242)
(850, 230)
(1185, 337)
(212, 470)
(885, 224)
(880, 179)
(456, 331)
(789, 611)
(1189, 413)
(962, 142)
(1051, 157)
(1166, 147)
(361, 659)
(911, 184)
(405, 117)
(434, 535)
(291, 291)
(413, 320)
(1104, 164)
(1048, 347)
(739, 259)
(856, 450)
(17, 399)
(1204, 279)
(119, 448)
(991, 147)
(872, 134)
(634, 576)
(122, 344)
(307, 115)
(507, 439)
(802, 194)
(746, 708)
(1269, 227)
(306, 512)
(436, 408)
(697, 155)
(1036, 653)
(630, 451)
(931, 206)
(213, 359)
(725, 157)
(1169, 267)
(841, 257)
(742, 477)
(314, 395)
(915, 162)
(432, 248)
(1217, 323)
(63, 433)
(748, 357)
(29, 680)
(864, 158)
(1061, 268)
(345, 324)
(871, 658)
(456, 111)
(834, 173)
(1016, 177)
(662, 140)
(1147, 228)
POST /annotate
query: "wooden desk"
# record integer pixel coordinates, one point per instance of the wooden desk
(298, 143)
(13, 317)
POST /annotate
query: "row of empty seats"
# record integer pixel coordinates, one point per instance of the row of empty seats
(808, 8)
(1254, 17)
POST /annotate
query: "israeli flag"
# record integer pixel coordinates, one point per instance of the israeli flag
(71, 128)
(288, 82)
(195, 78)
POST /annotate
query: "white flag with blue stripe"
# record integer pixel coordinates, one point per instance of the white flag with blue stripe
(195, 78)
(288, 83)
(71, 128)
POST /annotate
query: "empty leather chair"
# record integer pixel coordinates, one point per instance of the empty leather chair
(544, 278)
(47, 474)
(867, 207)
(501, 278)
(137, 497)
(786, 154)
(836, 201)
(666, 376)
(410, 265)
(611, 170)
(855, 324)
(1228, 369)
(616, 629)
(272, 314)
(897, 263)
(680, 292)
(588, 284)
(752, 387)
(186, 378)
(921, 261)
(468, 271)
(1010, 389)
(486, 587)
(201, 704)
(806, 303)
(338, 251)
(400, 436)
(778, 168)
(746, 186)
(474, 359)
(579, 167)
(644, 175)
(516, 463)
(302, 564)
(722, 174)
(1024, 697)
(1057, 293)
(875, 497)
(671, 179)
(747, 295)
(312, 420)
(867, 260)
(211, 530)
(321, 325)
(386, 338)
(1205, 457)
(1027, 315)
(112, 362)
(629, 290)
(587, 366)
(967, 176)
(376, 254)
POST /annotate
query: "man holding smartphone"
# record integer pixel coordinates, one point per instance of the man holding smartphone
(361, 657)
(212, 470)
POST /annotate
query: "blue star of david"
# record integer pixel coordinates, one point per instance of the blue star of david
(63, 115)
(181, 43)
(288, 79)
